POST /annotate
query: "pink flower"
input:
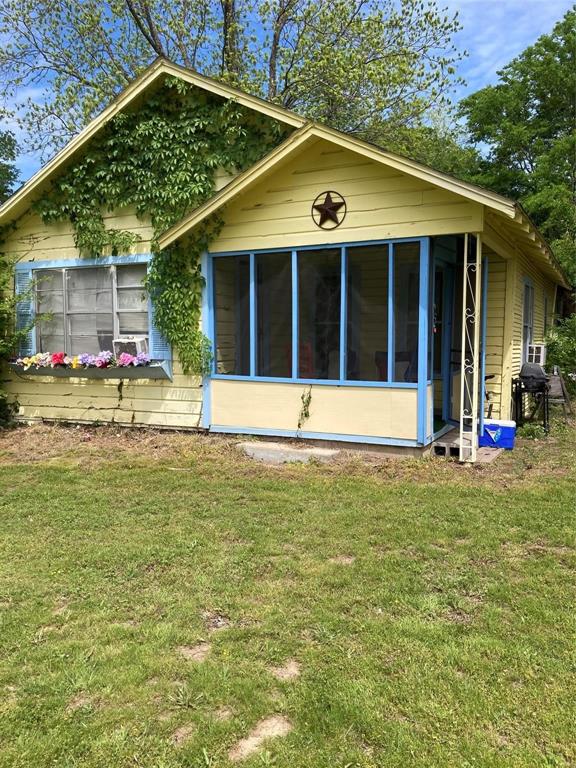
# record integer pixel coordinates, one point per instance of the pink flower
(126, 359)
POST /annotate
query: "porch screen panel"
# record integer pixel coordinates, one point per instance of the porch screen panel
(50, 310)
(406, 311)
(319, 283)
(274, 314)
(367, 314)
(232, 314)
(90, 315)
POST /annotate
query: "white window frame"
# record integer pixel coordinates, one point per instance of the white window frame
(527, 317)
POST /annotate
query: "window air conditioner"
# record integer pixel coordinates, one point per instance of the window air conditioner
(130, 344)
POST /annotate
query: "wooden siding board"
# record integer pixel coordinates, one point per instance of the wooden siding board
(381, 203)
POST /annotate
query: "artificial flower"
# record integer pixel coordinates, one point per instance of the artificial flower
(126, 359)
(58, 358)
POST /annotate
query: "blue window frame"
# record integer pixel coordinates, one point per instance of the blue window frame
(125, 316)
(315, 288)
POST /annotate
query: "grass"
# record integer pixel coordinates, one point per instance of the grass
(447, 641)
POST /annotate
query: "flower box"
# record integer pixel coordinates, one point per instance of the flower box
(152, 371)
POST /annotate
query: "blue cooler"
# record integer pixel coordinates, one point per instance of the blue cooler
(498, 434)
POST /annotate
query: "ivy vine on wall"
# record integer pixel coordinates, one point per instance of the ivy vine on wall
(161, 157)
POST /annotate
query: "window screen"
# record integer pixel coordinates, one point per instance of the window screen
(90, 318)
(132, 301)
(367, 315)
(50, 309)
(319, 314)
(406, 310)
(232, 314)
(274, 314)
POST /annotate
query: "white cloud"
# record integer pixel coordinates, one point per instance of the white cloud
(496, 31)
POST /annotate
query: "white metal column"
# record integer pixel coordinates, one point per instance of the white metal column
(471, 356)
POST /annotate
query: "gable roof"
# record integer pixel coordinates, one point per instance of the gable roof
(159, 69)
(514, 219)
(517, 223)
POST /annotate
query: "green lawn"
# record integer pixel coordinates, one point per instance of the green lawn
(430, 606)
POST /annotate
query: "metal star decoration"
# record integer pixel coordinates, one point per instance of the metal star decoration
(329, 211)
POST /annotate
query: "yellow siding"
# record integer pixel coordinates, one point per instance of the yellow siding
(35, 241)
(176, 403)
(381, 203)
(380, 412)
(526, 268)
(495, 311)
(506, 299)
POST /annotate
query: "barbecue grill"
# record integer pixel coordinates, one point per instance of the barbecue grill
(531, 389)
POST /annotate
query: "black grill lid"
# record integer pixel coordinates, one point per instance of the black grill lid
(533, 375)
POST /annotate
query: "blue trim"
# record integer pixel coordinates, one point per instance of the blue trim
(320, 246)
(327, 382)
(212, 318)
(295, 340)
(369, 439)
(343, 312)
(484, 310)
(253, 300)
(101, 261)
(424, 301)
(391, 326)
(207, 315)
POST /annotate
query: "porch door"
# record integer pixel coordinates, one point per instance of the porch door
(446, 341)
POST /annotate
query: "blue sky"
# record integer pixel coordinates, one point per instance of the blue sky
(494, 32)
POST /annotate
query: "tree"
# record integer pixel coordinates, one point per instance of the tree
(528, 122)
(372, 67)
(8, 173)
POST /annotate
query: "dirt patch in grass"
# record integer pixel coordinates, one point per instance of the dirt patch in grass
(182, 735)
(80, 701)
(288, 671)
(268, 728)
(197, 653)
(343, 559)
(222, 714)
(215, 621)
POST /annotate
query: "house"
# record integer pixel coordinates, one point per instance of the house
(351, 295)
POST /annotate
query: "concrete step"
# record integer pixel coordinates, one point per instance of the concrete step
(282, 453)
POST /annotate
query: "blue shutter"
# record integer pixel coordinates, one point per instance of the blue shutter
(159, 348)
(25, 311)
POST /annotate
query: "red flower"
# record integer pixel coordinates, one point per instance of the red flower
(58, 358)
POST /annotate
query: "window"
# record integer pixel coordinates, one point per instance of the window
(527, 319)
(232, 303)
(319, 282)
(274, 310)
(367, 316)
(83, 309)
(340, 314)
(406, 310)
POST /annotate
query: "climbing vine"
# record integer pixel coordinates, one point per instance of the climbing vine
(161, 158)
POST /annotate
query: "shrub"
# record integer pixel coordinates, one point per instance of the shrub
(561, 350)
